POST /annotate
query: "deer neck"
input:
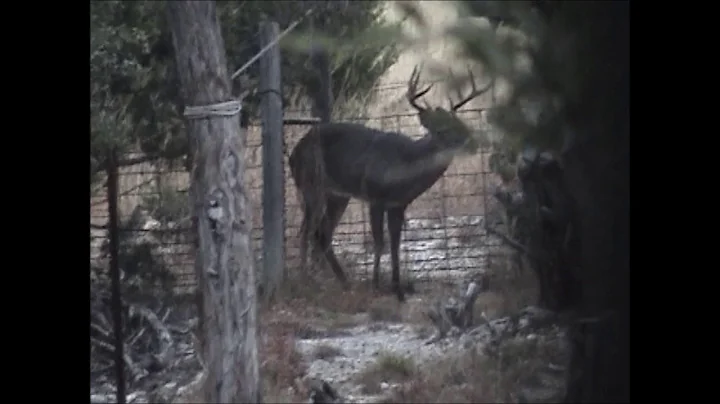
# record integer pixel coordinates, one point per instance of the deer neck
(429, 157)
(432, 154)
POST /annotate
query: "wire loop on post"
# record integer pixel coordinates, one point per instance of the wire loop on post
(227, 108)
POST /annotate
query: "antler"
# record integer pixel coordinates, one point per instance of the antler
(412, 93)
(474, 93)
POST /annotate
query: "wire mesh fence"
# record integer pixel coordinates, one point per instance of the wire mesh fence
(443, 234)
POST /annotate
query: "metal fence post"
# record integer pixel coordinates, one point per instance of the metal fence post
(273, 196)
(116, 298)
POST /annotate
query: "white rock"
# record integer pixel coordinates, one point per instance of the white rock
(151, 224)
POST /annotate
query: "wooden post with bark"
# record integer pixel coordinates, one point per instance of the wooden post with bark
(273, 171)
(219, 198)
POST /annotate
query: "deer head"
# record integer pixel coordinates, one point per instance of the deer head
(444, 125)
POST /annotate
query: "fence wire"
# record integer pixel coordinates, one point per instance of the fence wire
(443, 235)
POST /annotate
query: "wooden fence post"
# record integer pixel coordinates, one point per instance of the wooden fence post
(272, 157)
(226, 270)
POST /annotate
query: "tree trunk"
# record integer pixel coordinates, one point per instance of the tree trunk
(597, 174)
(225, 266)
(601, 337)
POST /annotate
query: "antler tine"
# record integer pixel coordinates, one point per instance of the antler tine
(412, 93)
(452, 80)
(474, 93)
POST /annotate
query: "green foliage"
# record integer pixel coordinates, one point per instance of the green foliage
(167, 205)
(521, 52)
(559, 77)
(354, 69)
(133, 84)
(141, 262)
(534, 47)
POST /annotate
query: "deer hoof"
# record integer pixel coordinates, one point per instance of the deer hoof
(400, 293)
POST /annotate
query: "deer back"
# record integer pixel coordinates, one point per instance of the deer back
(369, 164)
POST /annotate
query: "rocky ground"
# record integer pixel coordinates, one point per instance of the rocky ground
(146, 379)
(344, 358)
(366, 346)
(354, 349)
(367, 358)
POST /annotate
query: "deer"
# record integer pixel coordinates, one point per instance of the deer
(334, 162)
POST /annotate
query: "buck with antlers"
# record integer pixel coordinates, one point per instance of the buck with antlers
(334, 162)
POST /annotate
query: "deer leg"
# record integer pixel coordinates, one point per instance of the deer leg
(313, 215)
(304, 232)
(377, 222)
(396, 217)
(335, 208)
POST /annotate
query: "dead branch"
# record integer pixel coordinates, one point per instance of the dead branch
(321, 392)
(126, 162)
(509, 241)
(141, 332)
(193, 387)
(111, 398)
(100, 329)
(155, 361)
(455, 312)
(191, 326)
(136, 370)
(165, 342)
(492, 332)
(104, 323)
